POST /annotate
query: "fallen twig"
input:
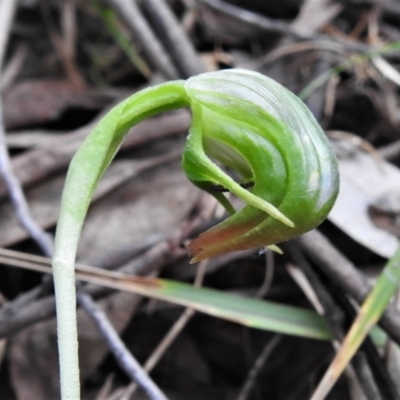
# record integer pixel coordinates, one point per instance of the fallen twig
(153, 49)
(271, 25)
(175, 39)
(122, 354)
(346, 276)
(39, 163)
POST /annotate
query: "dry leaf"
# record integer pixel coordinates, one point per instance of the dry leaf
(41, 101)
(363, 179)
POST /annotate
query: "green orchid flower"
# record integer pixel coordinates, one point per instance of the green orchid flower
(264, 133)
(277, 158)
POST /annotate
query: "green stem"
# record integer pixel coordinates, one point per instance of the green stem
(96, 153)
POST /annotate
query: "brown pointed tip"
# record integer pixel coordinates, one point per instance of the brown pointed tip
(197, 251)
(201, 253)
(199, 257)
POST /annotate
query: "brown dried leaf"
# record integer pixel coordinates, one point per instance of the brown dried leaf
(155, 203)
(44, 199)
(314, 15)
(363, 179)
(40, 163)
(41, 101)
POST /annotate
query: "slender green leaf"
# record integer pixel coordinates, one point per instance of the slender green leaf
(367, 317)
(251, 312)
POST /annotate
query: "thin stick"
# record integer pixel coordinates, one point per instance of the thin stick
(346, 276)
(261, 360)
(68, 23)
(175, 38)
(271, 25)
(269, 274)
(367, 317)
(122, 354)
(58, 43)
(17, 196)
(359, 373)
(172, 334)
(7, 12)
(177, 327)
(391, 151)
(152, 48)
(13, 67)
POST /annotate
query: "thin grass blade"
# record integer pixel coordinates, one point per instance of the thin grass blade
(367, 317)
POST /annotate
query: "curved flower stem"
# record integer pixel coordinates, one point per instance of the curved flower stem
(96, 154)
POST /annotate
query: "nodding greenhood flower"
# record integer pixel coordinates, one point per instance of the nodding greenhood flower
(263, 134)
(246, 122)
(266, 135)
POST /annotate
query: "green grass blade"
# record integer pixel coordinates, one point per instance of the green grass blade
(247, 311)
(250, 312)
(367, 317)
(111, 22)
